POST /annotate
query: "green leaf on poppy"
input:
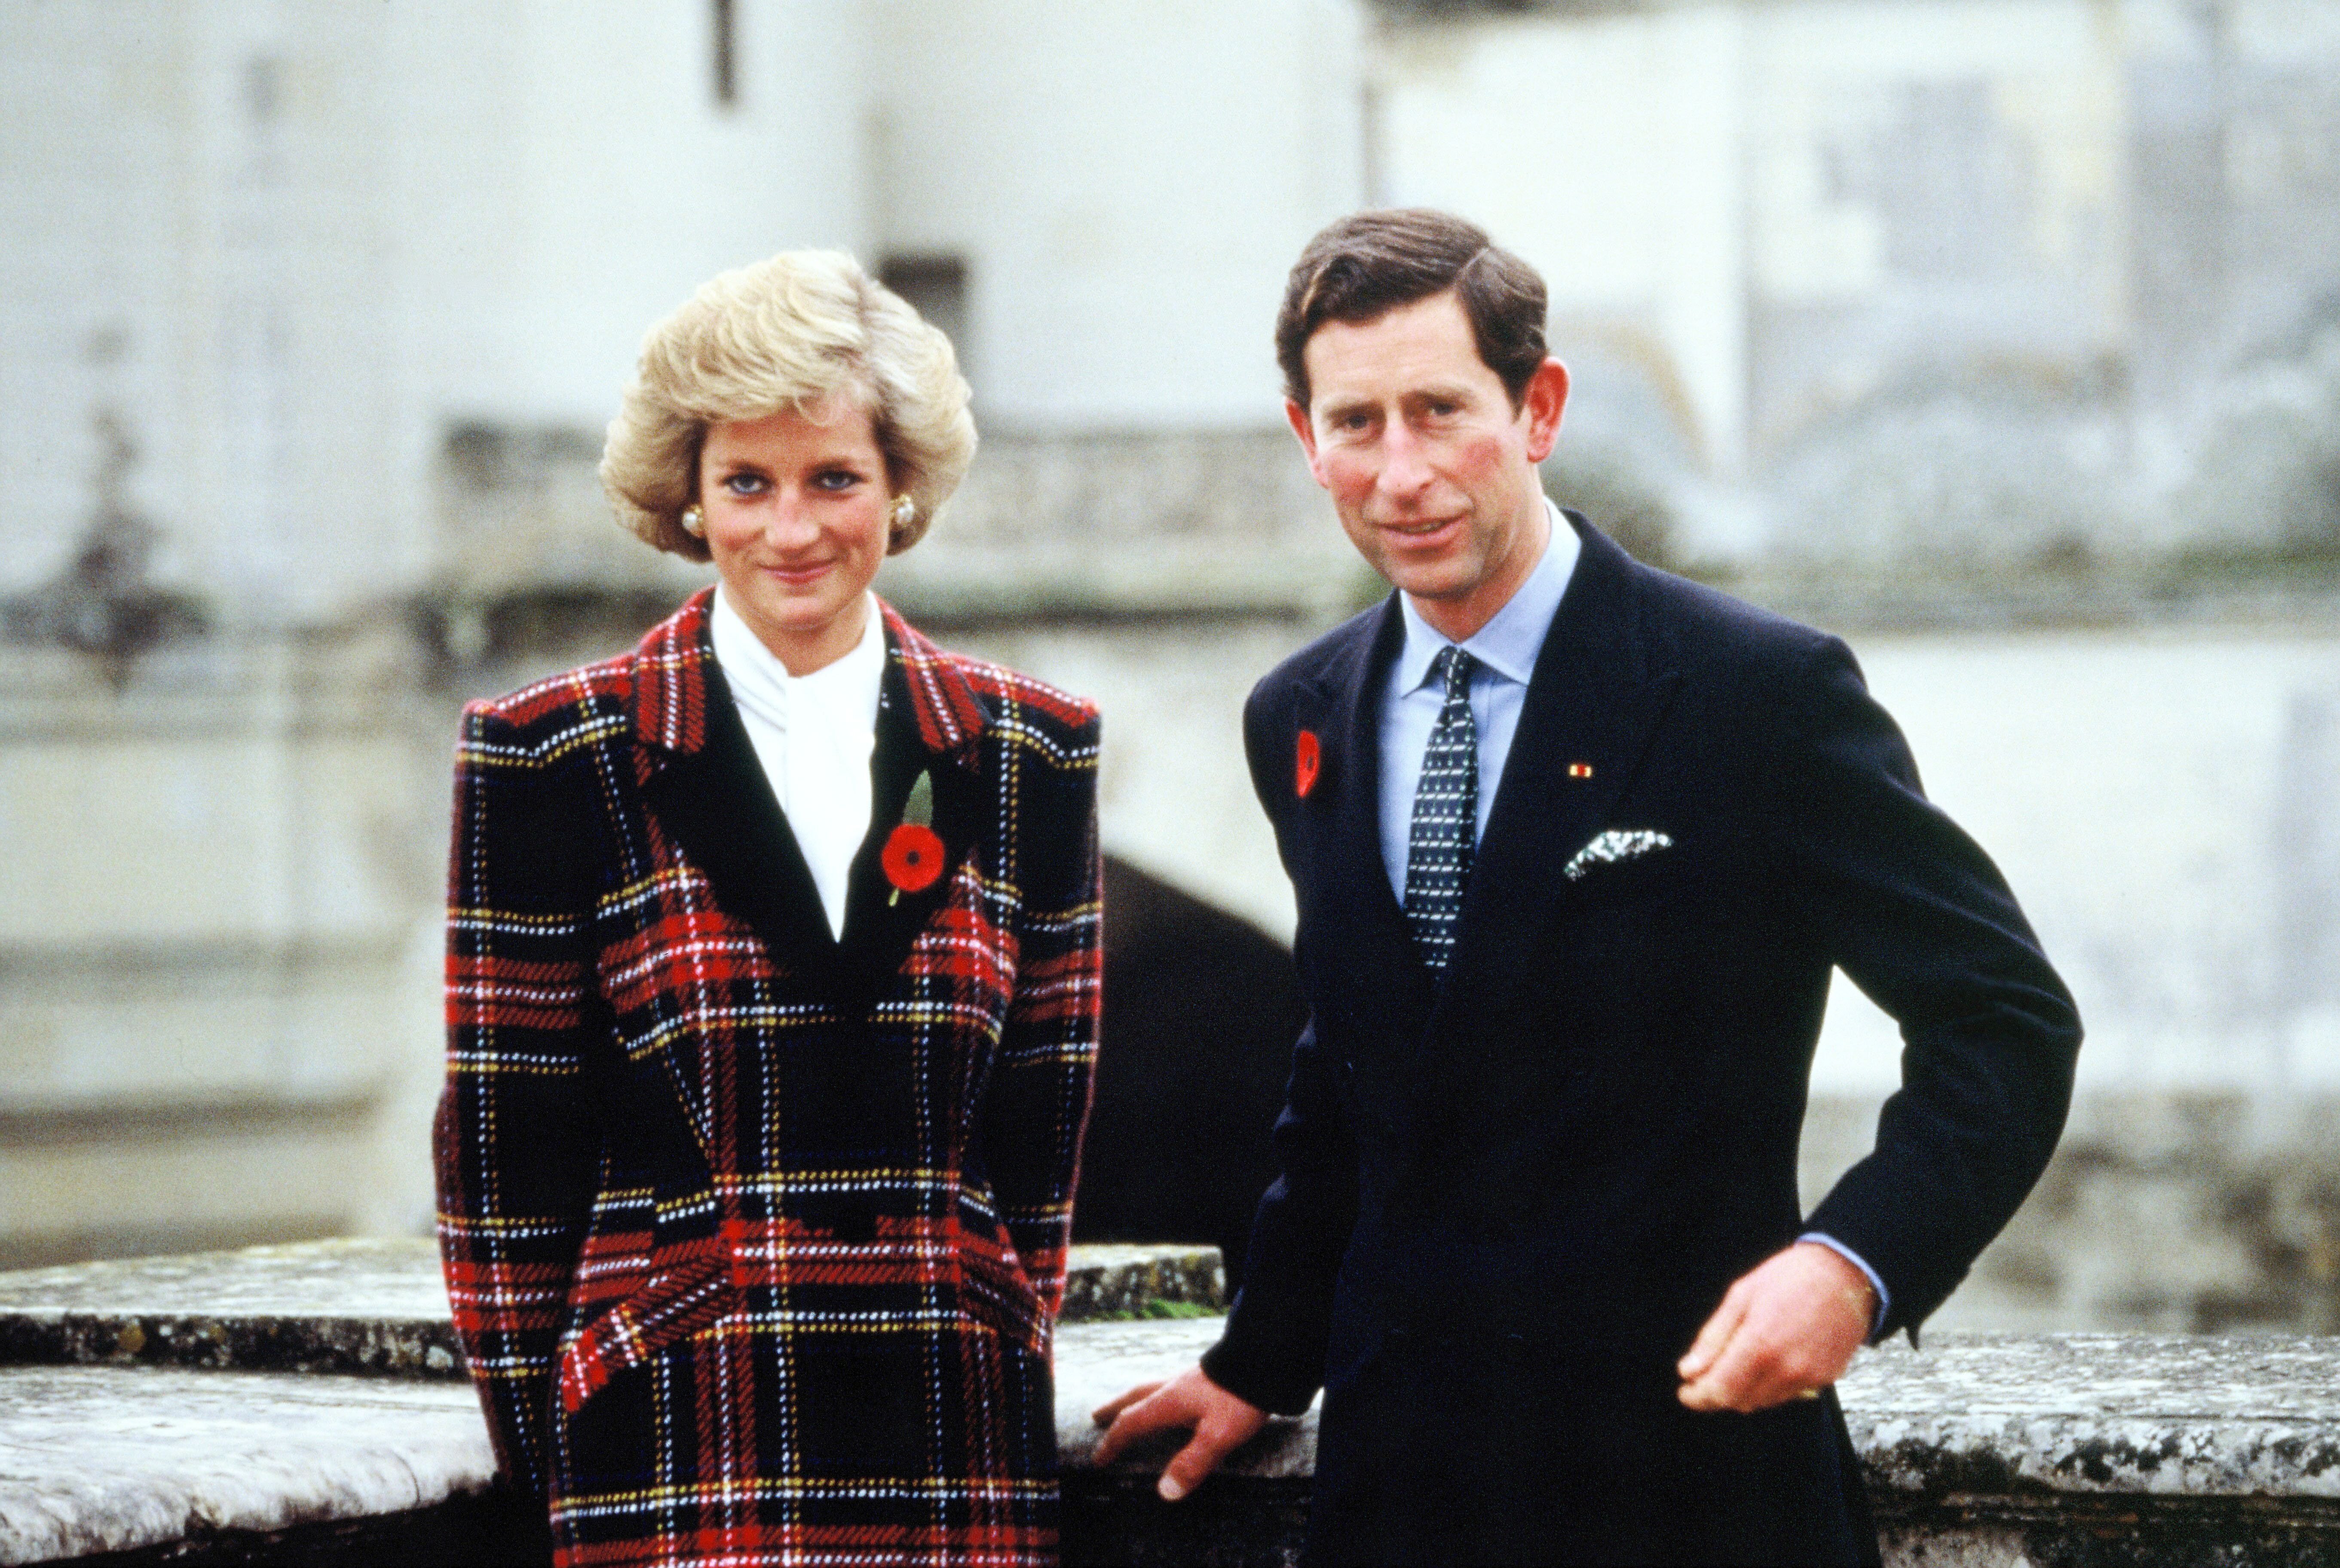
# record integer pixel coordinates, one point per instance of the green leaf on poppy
(920, 808)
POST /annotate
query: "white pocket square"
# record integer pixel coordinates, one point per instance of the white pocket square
(1616, 844)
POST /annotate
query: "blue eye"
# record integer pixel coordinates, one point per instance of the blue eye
(744, 484)
(837, 478)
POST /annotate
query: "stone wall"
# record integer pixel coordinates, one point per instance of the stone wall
(1069, 527)
(217, 954)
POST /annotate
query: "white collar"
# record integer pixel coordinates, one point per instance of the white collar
(1513, 637)
(840, 696)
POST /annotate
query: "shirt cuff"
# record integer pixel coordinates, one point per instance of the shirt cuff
(1884, 1297)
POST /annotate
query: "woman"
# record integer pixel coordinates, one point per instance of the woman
(772, 993)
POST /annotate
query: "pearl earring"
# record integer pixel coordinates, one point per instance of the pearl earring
(694, 521)
(905, 508)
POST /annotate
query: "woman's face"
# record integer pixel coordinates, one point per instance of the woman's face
(797, 510)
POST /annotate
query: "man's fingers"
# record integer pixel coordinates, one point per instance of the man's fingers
(1189, 1467)
(1221, 1421)
(1104, 1414)
(1714, 1335)
(1788, 1327)
(1736, 1361)
(1747, 1376)
(1142, 1412)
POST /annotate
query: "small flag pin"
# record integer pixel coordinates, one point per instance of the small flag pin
(1580, 770)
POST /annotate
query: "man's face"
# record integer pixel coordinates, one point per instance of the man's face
(1432, 471)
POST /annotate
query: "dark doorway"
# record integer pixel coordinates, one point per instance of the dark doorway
(1201, 1009)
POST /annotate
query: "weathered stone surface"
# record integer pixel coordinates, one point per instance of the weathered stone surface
(108, 1459)
(379, 1307)
(2072, 1530)
(333, 1307)
(2087, 1449)
(1109, 1280)
(120, 1458)
(2156, 1416)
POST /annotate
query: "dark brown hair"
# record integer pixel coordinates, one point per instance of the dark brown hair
(1369, 263)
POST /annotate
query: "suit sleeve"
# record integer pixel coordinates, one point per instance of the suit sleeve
(1273, 1352)
(1914, 911)
(1036, 1105)
(514, 1140)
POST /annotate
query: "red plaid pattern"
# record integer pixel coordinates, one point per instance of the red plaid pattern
(754, 1246)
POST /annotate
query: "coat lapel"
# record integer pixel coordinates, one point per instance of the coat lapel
(1594, 704)
(929, 721)
(709, 791)
(1355, 926)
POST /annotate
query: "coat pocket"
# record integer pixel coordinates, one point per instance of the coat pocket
(994, 1291)
(690, 1293)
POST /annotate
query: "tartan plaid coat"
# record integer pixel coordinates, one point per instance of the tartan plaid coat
(754, 1237)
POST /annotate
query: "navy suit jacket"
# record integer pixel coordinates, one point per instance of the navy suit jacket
(1509, 1198)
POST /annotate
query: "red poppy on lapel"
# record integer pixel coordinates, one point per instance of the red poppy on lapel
(1311, 758)
(913, 857)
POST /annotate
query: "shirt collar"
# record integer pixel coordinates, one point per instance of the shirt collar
(1510, 641)
(844, 692)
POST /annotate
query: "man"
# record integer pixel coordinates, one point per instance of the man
(1575, 845)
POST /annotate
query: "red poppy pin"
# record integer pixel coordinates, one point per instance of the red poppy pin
(914, 853)
(1306, 764)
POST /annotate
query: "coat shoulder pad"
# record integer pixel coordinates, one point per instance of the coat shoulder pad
(1029, 709)
(554, 715)
(1705, 626)
(1310, 663)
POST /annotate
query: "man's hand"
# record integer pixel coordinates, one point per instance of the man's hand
(1221, 1422)
(1785, 1331)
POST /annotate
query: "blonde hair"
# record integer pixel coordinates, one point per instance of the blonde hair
(788, 334)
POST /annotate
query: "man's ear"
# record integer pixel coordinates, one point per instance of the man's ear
(1297, 417)
(1546, 399)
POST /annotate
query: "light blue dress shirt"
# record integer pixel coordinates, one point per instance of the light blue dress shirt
(1505, 648)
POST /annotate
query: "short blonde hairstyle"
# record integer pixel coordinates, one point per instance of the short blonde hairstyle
(787, 334)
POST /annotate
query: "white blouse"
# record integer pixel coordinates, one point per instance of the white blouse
(814, 734)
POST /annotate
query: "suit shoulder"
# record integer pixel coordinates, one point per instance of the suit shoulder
(1311, 662)
(1707, 628)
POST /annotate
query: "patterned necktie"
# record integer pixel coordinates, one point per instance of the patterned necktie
(1445, 816)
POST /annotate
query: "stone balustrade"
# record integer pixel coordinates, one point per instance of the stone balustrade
(304, 1403)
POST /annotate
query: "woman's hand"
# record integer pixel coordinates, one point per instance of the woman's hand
(1220, 1421)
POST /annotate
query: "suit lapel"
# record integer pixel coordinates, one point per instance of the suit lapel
(1593, 703)
(1355, 920)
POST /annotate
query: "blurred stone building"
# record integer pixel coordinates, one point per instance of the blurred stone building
(1901, 314)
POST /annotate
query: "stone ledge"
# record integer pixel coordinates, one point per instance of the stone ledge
(2132, 1414)
(2093, 1449)
(113, 1459)
(125, 1459)
(379, 1305)
(1118, 1279)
